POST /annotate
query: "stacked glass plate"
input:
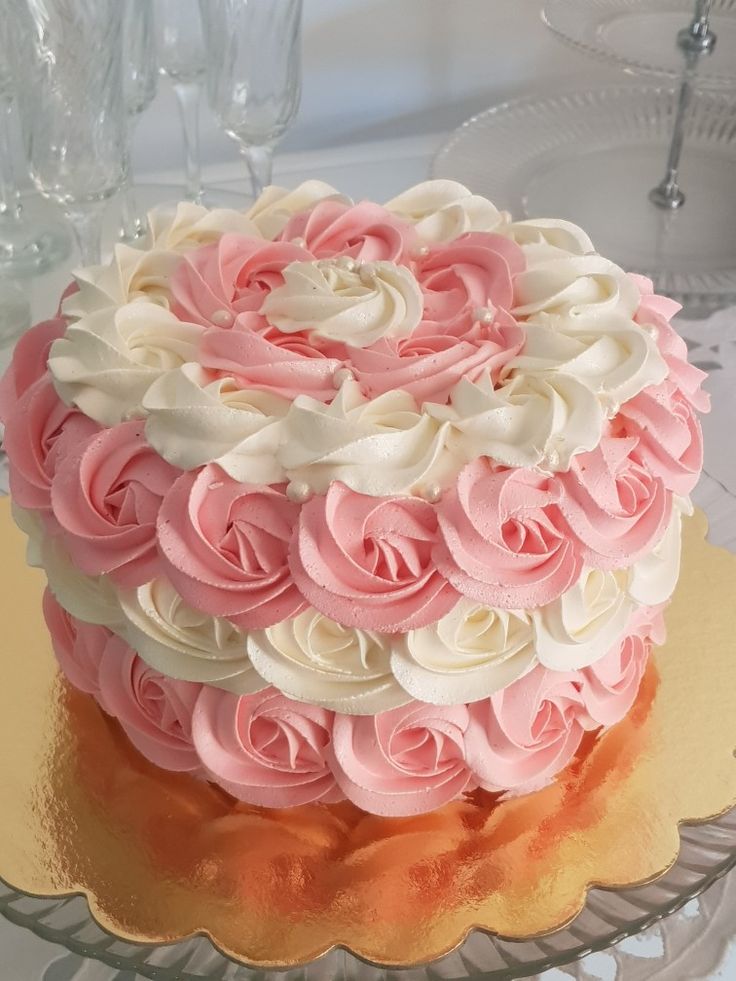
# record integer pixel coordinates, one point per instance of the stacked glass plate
(593, 155)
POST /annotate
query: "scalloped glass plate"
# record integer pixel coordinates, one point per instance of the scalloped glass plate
(639, 35)
(708, 851)
(592, 156)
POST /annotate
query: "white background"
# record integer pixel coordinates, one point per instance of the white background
(376, 69)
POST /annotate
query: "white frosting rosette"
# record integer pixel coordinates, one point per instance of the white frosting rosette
(572, 286)
(183, 643)
(585, 623)
(542, 239)
(441, 210)
(314, 659)
(357, 303)
(610, 354)
(93, 599)
(193, 420)
(107, 361)
(531, 420)
(472, 652)
(653, 578)
(378, 447)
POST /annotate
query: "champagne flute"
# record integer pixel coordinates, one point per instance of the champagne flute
(181, 56)
(24, 246)
(254, 74)
(140, 78)
(68, 67)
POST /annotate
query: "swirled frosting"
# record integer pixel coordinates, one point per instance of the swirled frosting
(442, 210)
(355, 304)
(107, 361)
(350, 500)
(193, 419)
(314, 659)
(376, 447)
(184, 643)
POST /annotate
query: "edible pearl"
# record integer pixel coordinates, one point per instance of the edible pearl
(347, 262)
(298, 491)
(341, 376)
(432, 493)
(300, 242)
(652, 330)
(421, 251)
(223, 318)
(484, 315)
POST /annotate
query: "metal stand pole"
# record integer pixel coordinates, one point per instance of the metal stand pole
(696, 40)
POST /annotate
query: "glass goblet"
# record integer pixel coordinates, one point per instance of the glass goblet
(140, 81)
(254, 74)
(181, 56)
(68, 67)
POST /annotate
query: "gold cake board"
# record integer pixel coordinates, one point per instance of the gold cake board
(161, 856)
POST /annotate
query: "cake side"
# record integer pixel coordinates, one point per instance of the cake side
(349, 500)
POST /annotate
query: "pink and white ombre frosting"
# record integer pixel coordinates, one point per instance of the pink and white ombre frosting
(355, 501)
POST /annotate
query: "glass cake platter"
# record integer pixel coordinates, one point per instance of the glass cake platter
(639, 35)
(592, 156)
(708, 851)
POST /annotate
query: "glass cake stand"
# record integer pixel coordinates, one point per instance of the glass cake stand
(592, 156)
(639, 35)
(708, 851)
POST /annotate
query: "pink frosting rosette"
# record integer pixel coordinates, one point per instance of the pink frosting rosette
(656, 312)
(266, 362)
(265, 749)
(78, 646)
(609, 687)
(522, 736)
(362, 231)
(504, 542)
(215, 283)
(28, 363)
(670, 439)
(40, 434)
(106, 497)
(225, 547)
(405, 761)
(367, 561)
(474, 271)
(431, 361)
(613, 504)
(155, 711)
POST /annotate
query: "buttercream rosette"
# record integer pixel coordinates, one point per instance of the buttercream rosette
(343, 500)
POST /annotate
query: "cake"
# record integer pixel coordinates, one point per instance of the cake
(347, 501)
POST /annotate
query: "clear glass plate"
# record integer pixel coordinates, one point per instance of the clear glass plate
(708, 851)
(640, 35)
(592, 156)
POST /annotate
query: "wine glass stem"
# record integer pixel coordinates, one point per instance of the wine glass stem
(187, 94)
(132, 225)
(86, 224)
(260, 166)
(10, 208)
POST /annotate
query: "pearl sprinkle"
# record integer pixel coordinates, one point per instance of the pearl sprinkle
(298, 491)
